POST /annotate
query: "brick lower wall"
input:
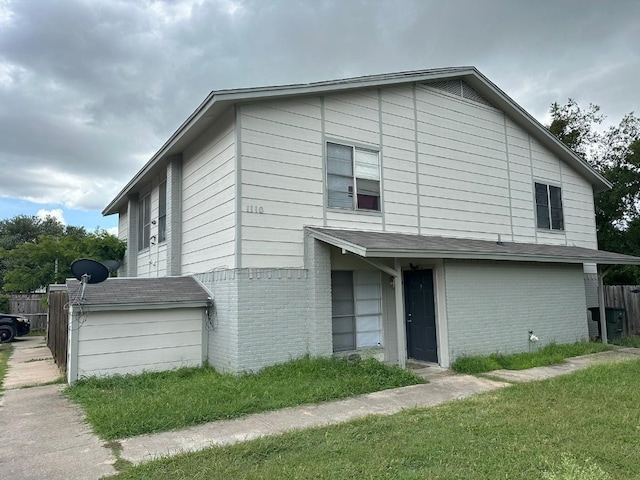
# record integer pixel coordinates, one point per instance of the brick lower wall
(273, 308)
(222, 348)
(262, 317)
(491, 306)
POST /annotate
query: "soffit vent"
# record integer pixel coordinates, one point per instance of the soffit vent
(460, 89)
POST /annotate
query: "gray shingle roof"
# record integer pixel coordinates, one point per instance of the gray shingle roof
(387, 244)
(138, 291)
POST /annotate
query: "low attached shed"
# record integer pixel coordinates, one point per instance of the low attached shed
(131, 325)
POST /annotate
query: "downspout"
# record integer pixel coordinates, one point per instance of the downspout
(602, 271)
(73, 344)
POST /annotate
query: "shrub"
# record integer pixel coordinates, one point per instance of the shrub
(4, 303)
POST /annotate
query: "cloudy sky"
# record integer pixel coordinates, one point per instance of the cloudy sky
(90, 89)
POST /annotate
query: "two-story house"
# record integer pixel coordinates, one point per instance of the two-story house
(417, 215)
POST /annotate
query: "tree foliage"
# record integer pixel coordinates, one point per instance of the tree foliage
(24, 228)
(36, 253)
(615, 153)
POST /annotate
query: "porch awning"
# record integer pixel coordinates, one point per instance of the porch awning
(403, 245)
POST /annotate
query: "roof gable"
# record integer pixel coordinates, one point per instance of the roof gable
(468, 79)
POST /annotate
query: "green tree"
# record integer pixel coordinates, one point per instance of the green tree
(33, 265)
(615, 153)
(24, 228)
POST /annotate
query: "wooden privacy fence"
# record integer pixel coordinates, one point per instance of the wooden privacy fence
(31, 306)
(57, 332)
(627, 297)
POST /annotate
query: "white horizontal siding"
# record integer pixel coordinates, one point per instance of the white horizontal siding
(579, 212)
(452, 167)
(464, 182)
(353, 116)
(151, 261)
(208, 199)
(350, 219)
(120, 342)
(123, 225)
(282, 180)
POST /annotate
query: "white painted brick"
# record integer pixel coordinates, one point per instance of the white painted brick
(492, 306)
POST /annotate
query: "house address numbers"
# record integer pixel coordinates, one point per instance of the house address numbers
(254, 209)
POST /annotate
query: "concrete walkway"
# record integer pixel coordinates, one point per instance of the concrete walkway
(43, 435)
(48, 439)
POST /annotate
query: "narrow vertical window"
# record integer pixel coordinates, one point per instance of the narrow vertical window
(342, 311)
(549, 207)
(162, 212)
(144, 222)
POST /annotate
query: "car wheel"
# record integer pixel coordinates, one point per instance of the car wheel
(6, 334)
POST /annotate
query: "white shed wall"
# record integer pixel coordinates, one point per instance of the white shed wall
(121, 342)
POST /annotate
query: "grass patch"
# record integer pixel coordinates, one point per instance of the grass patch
(631, 341)
(6, 349)
(580, 426)
(125, 406)
(552, 354)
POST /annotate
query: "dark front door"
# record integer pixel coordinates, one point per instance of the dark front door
(420, 315)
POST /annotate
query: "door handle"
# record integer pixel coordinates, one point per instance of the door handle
(409, 320)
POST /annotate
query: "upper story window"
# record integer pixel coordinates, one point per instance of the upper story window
(549, 207)
(144, 222)
(162, 212)
(353, 177)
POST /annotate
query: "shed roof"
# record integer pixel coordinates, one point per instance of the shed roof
(403, 245)
(217, 102)
(119, 291)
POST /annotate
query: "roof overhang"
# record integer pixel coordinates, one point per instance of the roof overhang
(402, 245)
(138, 293)
(218, 102)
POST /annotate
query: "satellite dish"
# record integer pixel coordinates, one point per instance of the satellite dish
(112, 265)
(89, 271)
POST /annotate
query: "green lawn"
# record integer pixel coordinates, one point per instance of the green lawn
(551, 354)
(631, 341)
(584, 426)
(125, 406)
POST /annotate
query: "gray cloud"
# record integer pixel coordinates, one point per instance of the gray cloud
(90, 89)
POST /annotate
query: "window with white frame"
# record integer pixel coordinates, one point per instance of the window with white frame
(549, 207)
(356, 302)
(353, 177)
(144, 222)
(162, 212)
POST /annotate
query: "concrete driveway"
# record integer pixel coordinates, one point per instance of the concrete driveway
(43, 434)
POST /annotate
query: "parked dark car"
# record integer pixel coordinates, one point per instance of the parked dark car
(12, 326)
